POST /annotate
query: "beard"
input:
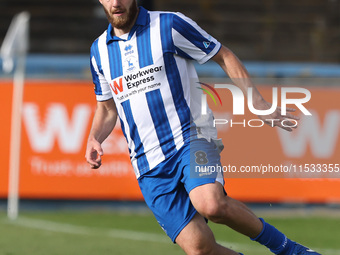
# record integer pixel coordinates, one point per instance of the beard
(123, 22)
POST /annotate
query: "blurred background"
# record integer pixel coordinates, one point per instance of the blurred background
(290, 43)
(266, 30)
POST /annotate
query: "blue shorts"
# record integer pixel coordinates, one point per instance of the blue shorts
(166, 187)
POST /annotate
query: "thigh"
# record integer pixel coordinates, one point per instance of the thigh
(208, 197)
(211, 202)
(167, 197)
(197, 238)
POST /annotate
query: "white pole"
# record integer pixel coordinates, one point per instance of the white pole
(15, 45)
(15, 142)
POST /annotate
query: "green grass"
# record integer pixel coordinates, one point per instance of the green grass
(106, 232)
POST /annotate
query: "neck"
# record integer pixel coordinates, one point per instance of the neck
(119, 32)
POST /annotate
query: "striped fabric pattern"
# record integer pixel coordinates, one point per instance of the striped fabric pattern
(148, 73)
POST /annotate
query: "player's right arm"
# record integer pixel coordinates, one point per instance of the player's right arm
(104, 121)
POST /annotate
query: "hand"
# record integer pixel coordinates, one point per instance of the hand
(277, 116)
(93, 155)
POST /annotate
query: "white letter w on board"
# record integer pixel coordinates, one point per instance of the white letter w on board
(56, 126)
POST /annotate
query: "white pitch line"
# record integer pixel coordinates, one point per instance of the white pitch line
(50, 226)
(82, 230)
(124, 234)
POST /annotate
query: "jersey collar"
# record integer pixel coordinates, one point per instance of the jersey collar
(141, 20)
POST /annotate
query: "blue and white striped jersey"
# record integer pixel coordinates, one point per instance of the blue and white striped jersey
(150, 75)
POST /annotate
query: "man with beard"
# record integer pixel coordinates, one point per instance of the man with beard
(142, 71)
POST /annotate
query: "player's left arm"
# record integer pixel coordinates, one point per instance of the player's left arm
(233, 67)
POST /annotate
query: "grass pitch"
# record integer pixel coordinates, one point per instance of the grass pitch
(107, 232)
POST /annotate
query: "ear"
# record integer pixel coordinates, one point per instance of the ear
(101, 1)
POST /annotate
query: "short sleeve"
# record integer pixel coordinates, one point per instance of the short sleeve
(101, 86)
(191, 41)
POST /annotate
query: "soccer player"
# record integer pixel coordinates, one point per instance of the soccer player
(143, 73)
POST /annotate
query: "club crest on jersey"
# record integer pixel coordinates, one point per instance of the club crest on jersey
(130, 64)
